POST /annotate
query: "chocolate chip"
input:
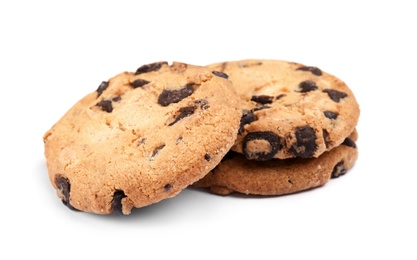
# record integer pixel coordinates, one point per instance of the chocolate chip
(102, 87)
(142, 141)
(339, 170)
(325, 135)
(184, 112)
(156, 151)
(262, 99)
(150, 67)
(280, 96)
(139, 83)
(335, 95)
(167, 187)
(305, 145)
(247, 118)
(316, 71)
(260, 108)
(106, 105)
(270, 137)
(307, 86)
(349, 142)
(174, 96)
(203, 103)
(207, 157)
(116, 98)
(64, 186)
(116, 203)
(330, 114)
(220, 74)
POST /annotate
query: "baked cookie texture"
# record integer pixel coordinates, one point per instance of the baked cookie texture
(289, 109)
(280, 176)
(142, 137)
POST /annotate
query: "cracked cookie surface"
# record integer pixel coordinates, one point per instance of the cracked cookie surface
(141, 137)
(289, 109)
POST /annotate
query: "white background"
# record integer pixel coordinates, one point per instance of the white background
(52, 53)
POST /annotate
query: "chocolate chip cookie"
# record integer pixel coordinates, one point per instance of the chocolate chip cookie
(142, 137)
(289, 109)
(235, 173)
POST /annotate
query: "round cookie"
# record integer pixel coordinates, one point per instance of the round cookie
(278, 177)
(289, 109)
(142, 137)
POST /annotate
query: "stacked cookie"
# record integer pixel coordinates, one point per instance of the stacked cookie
(262, 127)
(297, 129)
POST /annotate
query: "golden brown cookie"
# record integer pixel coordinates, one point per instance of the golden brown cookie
(142, 137)
(289, 109)
(280, 176)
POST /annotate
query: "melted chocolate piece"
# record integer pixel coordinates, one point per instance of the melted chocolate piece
(262, 99)
(139, 83)
(150, 67)
(280, 96)
(142, 141)
(305, 145)
(116, 203)
(103, 86)
(270, 137)
(260, 108)
(335, 95)
(330, 114)
(316, 71)
(307, 86)
(349, 142)
(156, 151)
(167, 187)
(116, 98)
(64, 186)
(106, 105)
(174, 96)
(184, 112)
(207, 157)
(247, 118)
(220, 74)
(339, 170)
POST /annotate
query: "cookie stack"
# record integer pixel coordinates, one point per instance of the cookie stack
(298, 129)
(264, 127)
